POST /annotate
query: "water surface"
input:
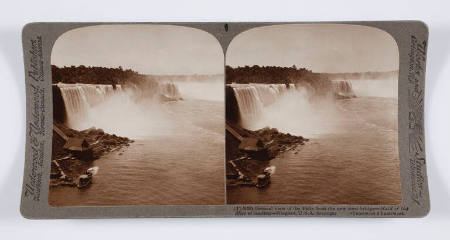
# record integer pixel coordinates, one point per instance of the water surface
(183, 167)
(355, 163)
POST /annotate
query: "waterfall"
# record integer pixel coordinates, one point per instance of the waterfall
(269, 93)
(306, 109)
(169, 91)
(252, 98)
(250, 105)
(79, 98)
(343, 89)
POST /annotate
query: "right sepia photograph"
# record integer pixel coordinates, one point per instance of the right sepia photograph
(311, 116)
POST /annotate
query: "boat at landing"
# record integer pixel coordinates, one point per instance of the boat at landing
(263, 180)
(86, 179)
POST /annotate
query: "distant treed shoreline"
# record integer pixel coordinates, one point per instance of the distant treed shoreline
(272, 74)
(254, 74)
(112, 76)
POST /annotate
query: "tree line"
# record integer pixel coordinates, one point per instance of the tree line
(273, 74)
(321, 83)
(94, 75)
(113, 76)
(265, 74)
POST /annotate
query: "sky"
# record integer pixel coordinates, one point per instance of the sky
(148, 49)
(331, 48)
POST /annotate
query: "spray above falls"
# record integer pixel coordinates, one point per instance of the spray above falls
(291, 108)
(83, 103)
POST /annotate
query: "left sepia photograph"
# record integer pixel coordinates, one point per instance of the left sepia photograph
(138, 117)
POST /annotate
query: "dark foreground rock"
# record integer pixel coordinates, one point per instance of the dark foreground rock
(73, 152)
(276, 142)
(245, 163)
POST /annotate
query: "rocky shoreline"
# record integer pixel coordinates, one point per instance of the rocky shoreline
(73, 152)
(243, 167)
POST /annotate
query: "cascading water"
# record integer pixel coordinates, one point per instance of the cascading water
(169, 91)
(80, 100)
(252, 98)
(292, 110)
(269, 93)
(250, 105)
(343, 89)
(289, 108)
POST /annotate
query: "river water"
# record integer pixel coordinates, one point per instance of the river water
(355, 162)
(178, 154)
(181, 162)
